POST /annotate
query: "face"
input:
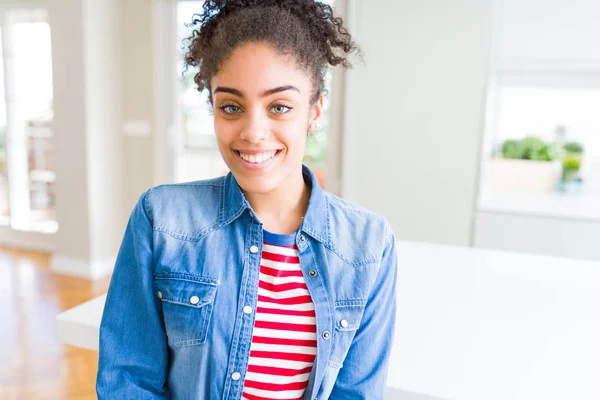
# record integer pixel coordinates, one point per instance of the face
(262, 114)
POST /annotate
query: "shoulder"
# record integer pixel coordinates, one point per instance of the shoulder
(359, 234)
(184, 210)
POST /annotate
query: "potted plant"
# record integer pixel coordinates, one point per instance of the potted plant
(571, 180)
(528, 165)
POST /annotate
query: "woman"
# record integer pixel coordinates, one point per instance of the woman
(256, 285)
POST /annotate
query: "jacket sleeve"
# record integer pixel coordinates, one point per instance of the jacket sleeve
(364, 371)
(133, 359)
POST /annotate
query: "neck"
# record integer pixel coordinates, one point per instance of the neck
(282, 209)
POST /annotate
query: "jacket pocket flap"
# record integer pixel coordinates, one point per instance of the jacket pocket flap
(187, 292)
(348, 317)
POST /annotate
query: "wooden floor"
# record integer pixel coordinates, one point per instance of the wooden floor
(33, 364)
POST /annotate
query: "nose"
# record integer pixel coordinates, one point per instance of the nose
(256, 127)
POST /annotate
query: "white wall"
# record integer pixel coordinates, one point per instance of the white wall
(69, 125)
(414, 114)
(550, 34)
(554, 236)
(105, 76)
(105, 141)
(137, 76)
(89, 143)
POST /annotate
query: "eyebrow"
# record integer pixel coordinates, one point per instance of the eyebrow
(264, 94)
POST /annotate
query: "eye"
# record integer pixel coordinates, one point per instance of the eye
(230, 109)
(280, 109)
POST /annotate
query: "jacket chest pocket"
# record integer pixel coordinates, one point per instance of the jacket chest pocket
(187, 307)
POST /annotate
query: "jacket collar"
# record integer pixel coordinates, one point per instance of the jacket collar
(316, 222)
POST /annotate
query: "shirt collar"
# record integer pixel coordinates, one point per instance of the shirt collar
(316, 219)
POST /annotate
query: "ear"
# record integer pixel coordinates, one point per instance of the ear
(316, 113)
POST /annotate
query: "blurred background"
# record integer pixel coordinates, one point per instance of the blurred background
(473, 123)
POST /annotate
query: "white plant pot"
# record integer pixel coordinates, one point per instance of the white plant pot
(525, 176)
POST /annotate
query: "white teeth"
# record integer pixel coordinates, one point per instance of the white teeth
(258, 158)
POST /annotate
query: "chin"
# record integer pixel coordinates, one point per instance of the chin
(259, 185)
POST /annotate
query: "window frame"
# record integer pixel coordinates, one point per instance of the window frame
(503, 73)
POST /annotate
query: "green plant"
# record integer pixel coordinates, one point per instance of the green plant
(513, 149)
(572, 162)
(571, 165)
(530, 148)
(573, 147)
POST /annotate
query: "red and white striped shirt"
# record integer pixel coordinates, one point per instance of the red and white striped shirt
(284, 340)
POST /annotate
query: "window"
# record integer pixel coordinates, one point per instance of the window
(27, 177)
(4, 199)
(199, 158)
(542, 139)
(563, 114)
(552, 114)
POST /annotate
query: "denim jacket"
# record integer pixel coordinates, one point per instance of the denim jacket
(173, 325)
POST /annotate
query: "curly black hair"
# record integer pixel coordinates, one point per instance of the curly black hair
(307, 30)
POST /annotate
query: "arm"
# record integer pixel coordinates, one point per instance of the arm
(133, 359)
(364, 373)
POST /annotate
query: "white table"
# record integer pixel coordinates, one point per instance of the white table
(80, 326)
(472, 324)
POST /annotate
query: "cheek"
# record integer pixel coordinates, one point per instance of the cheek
(225, 131)
(294, 137)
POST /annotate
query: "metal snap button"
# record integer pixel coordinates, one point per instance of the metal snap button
(302, 238)
(312, 273)
(194, 300)
(326, 335)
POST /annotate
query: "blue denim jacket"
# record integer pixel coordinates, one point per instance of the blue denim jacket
(199, 240)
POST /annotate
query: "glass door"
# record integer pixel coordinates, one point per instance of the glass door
(27, 200)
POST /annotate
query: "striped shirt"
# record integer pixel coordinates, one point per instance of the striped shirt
(284, 340)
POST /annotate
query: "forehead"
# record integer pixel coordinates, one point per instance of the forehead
(256, 67)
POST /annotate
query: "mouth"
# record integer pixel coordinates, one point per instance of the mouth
(257, 158)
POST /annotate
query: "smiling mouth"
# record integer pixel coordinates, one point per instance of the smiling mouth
(257, 158)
